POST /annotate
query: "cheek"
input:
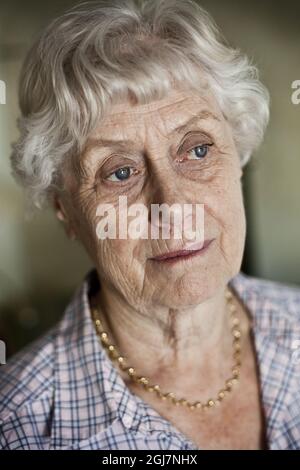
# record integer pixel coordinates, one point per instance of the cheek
(118, 264)
(230, 197)
(111, 254)
(84, 220)
(225, 208)
(235, 209)
(117, 253)
(234, 225)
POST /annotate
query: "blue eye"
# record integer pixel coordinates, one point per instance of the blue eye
(200, 151)
(121, 174)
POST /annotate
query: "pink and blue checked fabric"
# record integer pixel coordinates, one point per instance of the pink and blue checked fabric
(63, 392)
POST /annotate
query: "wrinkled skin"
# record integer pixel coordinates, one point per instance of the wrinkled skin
(170, 313)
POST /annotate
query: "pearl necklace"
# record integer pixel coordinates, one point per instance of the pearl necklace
(155, 388)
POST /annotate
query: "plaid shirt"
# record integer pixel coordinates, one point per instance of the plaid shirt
(63, 392)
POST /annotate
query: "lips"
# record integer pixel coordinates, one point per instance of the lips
(193, 249)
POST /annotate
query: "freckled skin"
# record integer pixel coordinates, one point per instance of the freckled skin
(169, 321)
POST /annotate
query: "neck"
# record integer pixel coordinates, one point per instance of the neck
(164, 343)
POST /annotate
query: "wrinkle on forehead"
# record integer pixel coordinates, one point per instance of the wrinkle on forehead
(171, 111)
(164, 105)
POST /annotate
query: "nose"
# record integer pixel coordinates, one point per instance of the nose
(165, 187)
(172, 211)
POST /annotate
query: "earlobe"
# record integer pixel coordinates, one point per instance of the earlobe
(58, 208)
(61, 215)
(72, 235)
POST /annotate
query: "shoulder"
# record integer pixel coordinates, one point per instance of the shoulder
(273, 304)
(27, 375)
(269, 288)
(26, 391)
(32, 381)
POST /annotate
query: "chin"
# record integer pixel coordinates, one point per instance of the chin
(190, 290)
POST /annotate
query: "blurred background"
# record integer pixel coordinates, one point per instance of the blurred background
(40, 268)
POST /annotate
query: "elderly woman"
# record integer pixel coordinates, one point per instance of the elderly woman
(166, 344)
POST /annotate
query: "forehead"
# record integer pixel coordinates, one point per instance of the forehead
(170, 112)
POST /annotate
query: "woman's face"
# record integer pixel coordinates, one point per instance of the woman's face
(162, 160)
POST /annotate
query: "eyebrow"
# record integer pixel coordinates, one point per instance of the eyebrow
(126, 143)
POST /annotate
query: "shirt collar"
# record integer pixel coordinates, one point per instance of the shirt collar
(80, 358)
(274, 311)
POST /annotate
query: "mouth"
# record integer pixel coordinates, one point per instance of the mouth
(179, 255)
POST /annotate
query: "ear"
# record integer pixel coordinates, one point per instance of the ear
(241, 172)
(59, 208)
(61, 214)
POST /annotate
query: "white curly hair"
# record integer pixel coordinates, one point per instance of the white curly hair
(99, 53)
